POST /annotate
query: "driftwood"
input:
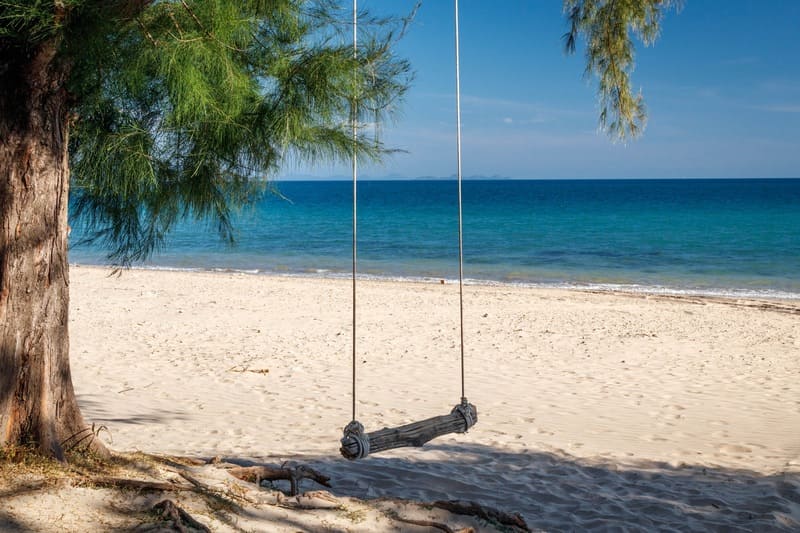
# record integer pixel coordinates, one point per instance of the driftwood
(356, 444)
(257, 474)
(486, 513)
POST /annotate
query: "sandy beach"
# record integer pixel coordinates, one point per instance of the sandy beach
(596, 410)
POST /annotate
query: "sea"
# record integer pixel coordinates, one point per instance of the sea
(721, 237)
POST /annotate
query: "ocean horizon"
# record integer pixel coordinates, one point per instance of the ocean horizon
(735, 237)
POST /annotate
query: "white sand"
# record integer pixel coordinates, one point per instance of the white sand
(594, 409)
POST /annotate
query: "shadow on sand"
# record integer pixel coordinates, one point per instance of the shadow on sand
(560, 492)
(553, 492)
(100, 414)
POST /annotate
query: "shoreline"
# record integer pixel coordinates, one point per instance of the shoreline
(767, 295)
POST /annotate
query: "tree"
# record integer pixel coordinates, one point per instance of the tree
(165, 109)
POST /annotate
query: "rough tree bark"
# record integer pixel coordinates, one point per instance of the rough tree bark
(37, 402)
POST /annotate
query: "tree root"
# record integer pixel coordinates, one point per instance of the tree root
(312, 500)
(256, 474)
(486, 513)
(234, 489)
(137, 484)
(435, 525)
(176, 518)
(87, 438)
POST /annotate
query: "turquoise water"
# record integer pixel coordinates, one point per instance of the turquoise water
(727, 237)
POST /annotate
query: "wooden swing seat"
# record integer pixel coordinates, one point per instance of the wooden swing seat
(356, 444)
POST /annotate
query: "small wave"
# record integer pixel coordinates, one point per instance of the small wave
(324, 273)
(659, 290)
(159, 268)
(236, 270)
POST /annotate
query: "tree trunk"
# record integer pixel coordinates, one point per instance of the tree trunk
(37, 402)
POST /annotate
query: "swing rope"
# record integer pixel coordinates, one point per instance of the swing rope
(460, 208)
(356, 444)
(354, 121)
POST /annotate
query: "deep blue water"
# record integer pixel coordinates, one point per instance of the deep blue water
(701, 236)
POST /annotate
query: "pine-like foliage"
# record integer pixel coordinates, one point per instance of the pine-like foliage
(608, 26)
(186, 107)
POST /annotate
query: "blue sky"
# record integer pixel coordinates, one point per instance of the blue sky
(722, 87)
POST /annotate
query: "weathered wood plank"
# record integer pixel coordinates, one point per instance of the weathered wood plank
(356, 444)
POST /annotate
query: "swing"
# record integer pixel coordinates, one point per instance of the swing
(356, 444)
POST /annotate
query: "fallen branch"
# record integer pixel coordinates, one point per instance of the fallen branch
(486, 513)
(257, 474)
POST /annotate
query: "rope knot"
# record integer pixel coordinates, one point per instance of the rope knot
(468, 411)
(354, 437)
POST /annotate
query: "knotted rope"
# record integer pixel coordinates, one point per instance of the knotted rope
(466, 410)
(355, 431)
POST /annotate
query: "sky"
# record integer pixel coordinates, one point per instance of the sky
(721, 85)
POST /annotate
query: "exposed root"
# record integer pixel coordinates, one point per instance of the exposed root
(485, 513)
(257, 474)
(87, 438)
(225, 494)
(231, 494)
(174, 517)
(137, 484)
(317, 499)
(434, 525)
